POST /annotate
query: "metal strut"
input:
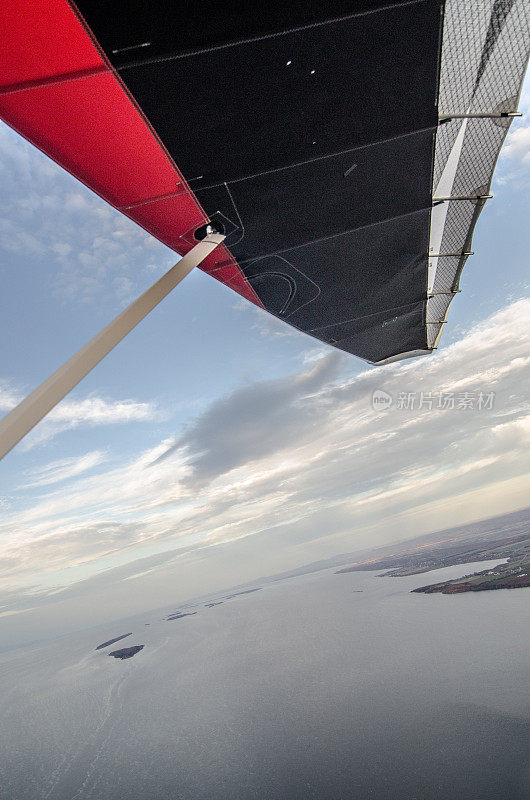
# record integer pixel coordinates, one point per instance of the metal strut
(499, 115)
(475, 197)
(15, 425)
(446, 255)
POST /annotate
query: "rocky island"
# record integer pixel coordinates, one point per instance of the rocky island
(127, 652)
(180, 615)
(112, 641)
(244, 591)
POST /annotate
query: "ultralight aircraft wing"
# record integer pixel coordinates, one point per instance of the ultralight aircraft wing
(343, 149)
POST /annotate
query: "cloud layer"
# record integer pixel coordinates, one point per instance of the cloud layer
(303, 460)
(47, 215)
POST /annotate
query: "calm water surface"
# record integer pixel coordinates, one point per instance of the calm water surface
(323, 686)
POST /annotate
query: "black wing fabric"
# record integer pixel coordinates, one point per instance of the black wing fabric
(307, 131)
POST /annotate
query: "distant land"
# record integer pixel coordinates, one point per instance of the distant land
(512, 575)
(502, 537)
(506, 537)
(505, 524)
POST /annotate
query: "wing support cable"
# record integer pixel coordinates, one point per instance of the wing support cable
(18, 422)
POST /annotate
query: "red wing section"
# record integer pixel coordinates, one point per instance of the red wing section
(59, 91)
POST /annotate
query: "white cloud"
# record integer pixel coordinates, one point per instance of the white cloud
(9, 397)
(515, 154)
(518, 145)
(97, 411)
(91, 250)
(300, 459)
(65, 469)
(72, 413)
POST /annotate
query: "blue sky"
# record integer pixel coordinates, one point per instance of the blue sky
(215, 444)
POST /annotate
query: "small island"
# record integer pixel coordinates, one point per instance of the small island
(180, 615)
(127, 652)
(112, 641)
(244, 591)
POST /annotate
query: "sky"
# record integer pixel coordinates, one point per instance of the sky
(215, 444)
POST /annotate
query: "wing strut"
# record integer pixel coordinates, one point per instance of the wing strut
(15, 425)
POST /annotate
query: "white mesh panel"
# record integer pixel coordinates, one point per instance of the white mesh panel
(484, 55)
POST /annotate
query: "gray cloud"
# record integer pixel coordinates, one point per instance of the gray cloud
(257, 420)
